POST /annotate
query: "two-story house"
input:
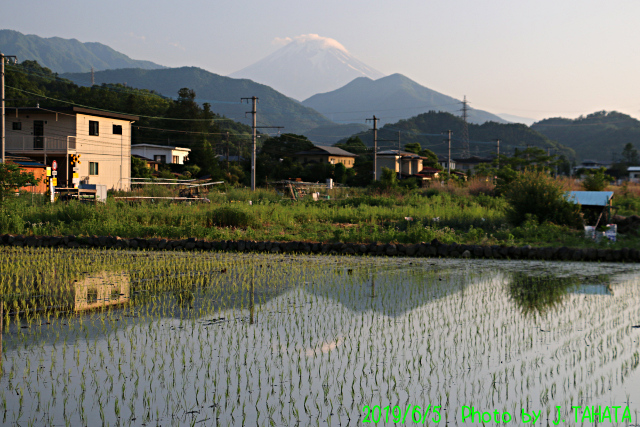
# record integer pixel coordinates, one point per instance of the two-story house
(102, 139)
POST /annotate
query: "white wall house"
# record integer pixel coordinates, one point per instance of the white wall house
(162, 153)
(634, 173)
(102, 139)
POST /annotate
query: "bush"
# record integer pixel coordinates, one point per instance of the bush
(228, 216)
(596, 180)
(539, 195)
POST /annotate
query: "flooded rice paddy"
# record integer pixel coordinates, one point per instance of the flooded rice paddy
(94, 337)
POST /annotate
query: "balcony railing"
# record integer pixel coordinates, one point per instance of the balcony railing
(46, 144)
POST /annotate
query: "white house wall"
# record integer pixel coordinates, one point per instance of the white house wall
(111, 151)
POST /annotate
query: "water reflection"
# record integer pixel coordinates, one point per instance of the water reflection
(101, 290)
(539, 294)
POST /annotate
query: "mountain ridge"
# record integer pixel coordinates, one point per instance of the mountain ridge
(67, 55)
(392, 97)
(223, 93)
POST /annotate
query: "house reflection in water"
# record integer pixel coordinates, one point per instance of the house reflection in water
(100, 290)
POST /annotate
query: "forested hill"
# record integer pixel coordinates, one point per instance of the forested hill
(162, 120)
(598, 136)
(66, 55)
(429, 130)
(224, 94)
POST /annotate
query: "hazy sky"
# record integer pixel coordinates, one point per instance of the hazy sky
(529, 58)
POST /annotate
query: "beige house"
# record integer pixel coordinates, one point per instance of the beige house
(326, 154)
(101, 139)
(402, 162)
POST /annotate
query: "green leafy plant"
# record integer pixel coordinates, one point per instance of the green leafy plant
(12, 178)
(536, 193)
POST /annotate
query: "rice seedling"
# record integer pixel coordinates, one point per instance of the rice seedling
(258, 339)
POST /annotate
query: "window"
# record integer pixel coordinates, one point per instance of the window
(17, 126)
(176, 159)
(117, 129)
(93, 168)
(160, 158)
(92, 295)
(94, 128)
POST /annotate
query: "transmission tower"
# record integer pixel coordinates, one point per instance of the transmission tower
(465, 129)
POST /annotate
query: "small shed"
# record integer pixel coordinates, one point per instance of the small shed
(36, 168)
(596, 205)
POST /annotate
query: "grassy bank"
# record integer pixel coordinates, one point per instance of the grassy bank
(450, 214)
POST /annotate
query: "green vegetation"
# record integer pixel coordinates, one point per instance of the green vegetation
(596, 180)
(588, 135)
(456, 212)
(11, 178)
(536, 195)
(426, 129)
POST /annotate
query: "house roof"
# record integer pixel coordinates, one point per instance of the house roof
(166, 147)
(404, 154)
(23, 161)
(73, 110)
(633, 169)
(334, 151)
(589, 198)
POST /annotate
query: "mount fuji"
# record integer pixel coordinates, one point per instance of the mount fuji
(307, 65)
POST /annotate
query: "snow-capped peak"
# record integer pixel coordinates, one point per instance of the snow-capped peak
(306, 65)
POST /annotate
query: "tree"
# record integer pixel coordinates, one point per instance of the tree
(596, 180)
(630, 154)
(413, 147)
(340, 173)
(432, 159)
(139, 168)
(12, 178)
(534, 194)
(353, 145)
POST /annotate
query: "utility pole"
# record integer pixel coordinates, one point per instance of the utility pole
(449, 159)
(498, 151)
(375, 146)
(2, 57)
(228, 153)
(399, 148)
(254, 113)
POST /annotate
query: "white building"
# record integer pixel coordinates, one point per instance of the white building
(101, 139)
(402, 162)
(634, 173)
(162, 153)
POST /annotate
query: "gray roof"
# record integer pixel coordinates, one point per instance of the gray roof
(589, 198)
(335, 151)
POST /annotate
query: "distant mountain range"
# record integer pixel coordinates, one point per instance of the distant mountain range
(517, 119)
(67, 55)
(600, 136)
(224, 93)
(390, 98)
(307, 65)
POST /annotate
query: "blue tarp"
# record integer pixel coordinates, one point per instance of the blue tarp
(589, 198)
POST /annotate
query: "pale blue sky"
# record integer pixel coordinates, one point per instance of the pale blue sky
(535, 59)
